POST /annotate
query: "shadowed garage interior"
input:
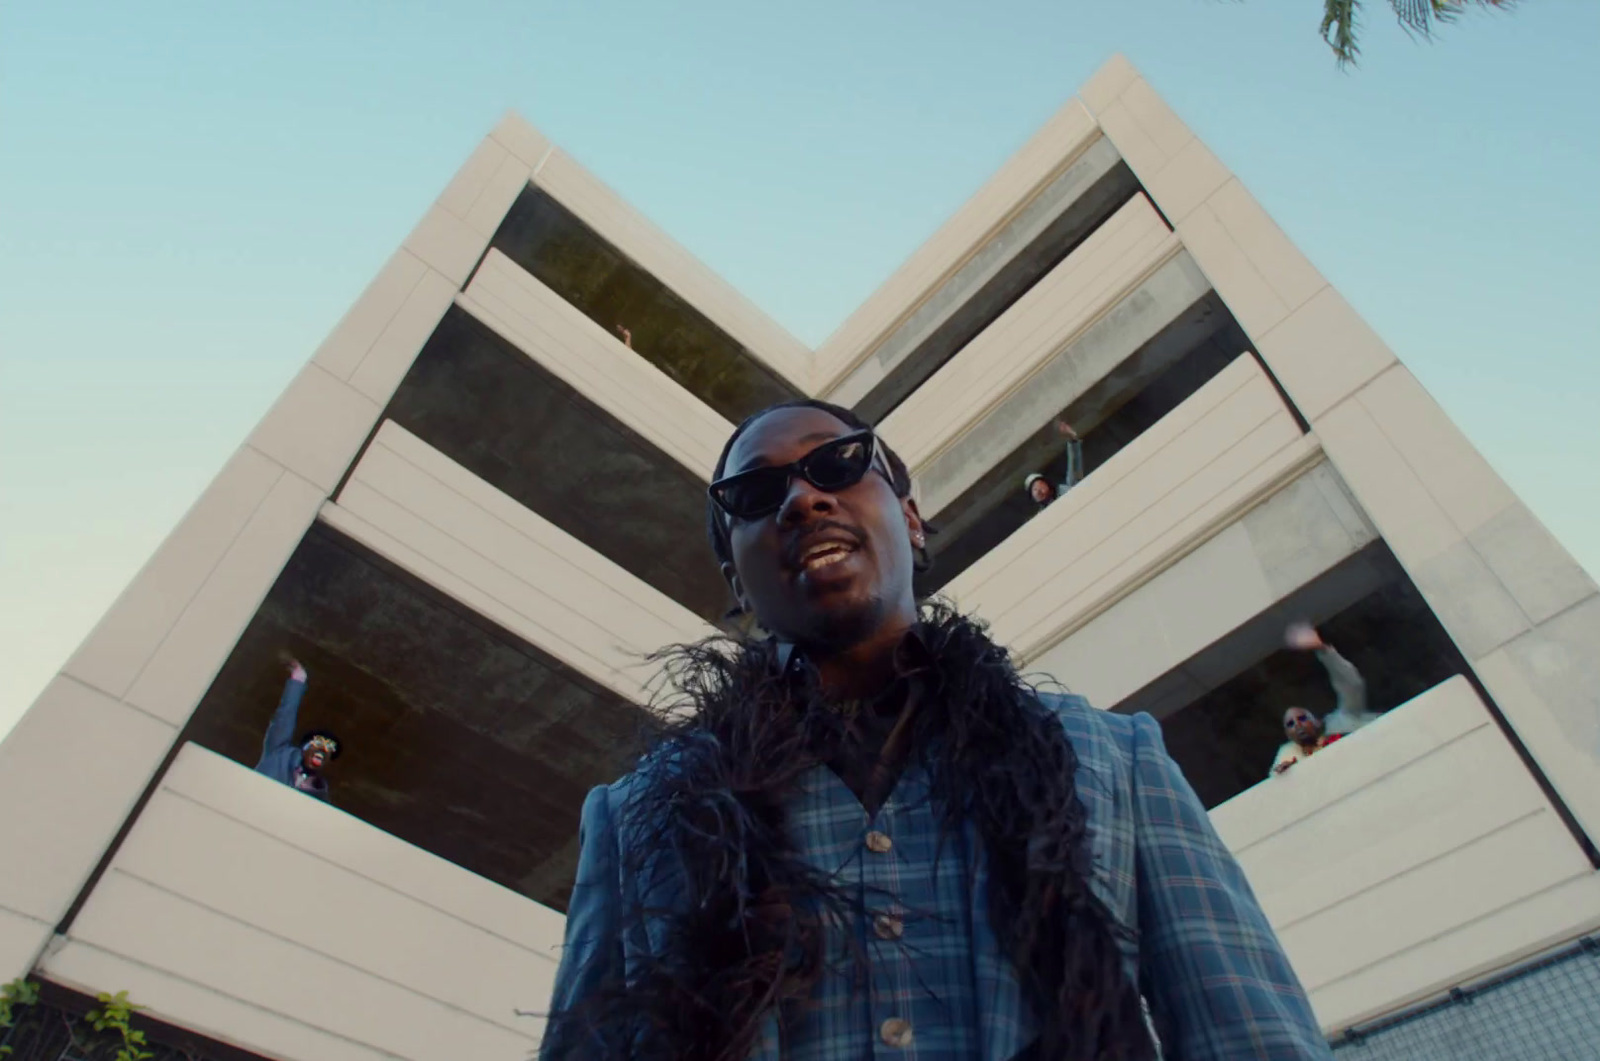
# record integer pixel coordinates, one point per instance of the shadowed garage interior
(458, 736)
(496, 412)
(611, 289)
(1365, 607)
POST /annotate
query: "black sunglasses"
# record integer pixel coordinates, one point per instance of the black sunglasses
(832, 466)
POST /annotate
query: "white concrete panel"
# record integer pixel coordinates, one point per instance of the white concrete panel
(1094, 277)
(211, 780)
(1351, 886)
(1107, 83)
(1391, 494)
(498, 195)
(193, 853)
(1547, 682)
(1508, 866)
(316, 426)
(71, 769)
(112, 656)
(396, 348)
(1455, 473)
(1253, 301)
(234, 891)
(1561, 914)
(487, 184)
(574, 348)
(474, 176)
(447, 244)
(1137, 147)
(155, 929)
(1535, 569)
(1163, 622)
(1322, 353)
(1063, 138)
(202, 1007)
(1279, 262)
(21, 940)
(1227, 446)
(1298, 533)
(179, 672)
(569, 600)
(1441, 815)
(1468, 600)
(522, 140)
(663, 258)
(1188, 179)
(1159, 122)
(360, 327)
(1272, 809)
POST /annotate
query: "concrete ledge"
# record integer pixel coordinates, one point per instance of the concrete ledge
(1369, 903)
(419, 509)
(1093, 278)
(554, 333)
(247, 893)
(1071, 206)
(1070, 131)
(637, 237)
(22, 938)
(1231, 444)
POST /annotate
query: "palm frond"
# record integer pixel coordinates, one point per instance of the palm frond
(1417, 17)
(1339, 29)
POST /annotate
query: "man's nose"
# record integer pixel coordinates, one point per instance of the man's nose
(804, 502)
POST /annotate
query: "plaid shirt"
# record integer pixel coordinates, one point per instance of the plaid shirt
(1196, 940)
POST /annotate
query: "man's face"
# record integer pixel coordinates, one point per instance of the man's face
(1041, 490)
(827, 569)
(315, 755)
(1301, 725)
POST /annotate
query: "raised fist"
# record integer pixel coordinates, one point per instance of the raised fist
(1302, 637)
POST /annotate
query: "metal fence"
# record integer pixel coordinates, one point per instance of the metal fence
(1546, 1011)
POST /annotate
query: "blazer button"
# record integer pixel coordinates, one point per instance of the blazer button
(895, 1032)
(878, 843)
(888, 926)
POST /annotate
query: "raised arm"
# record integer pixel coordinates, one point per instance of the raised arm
(1349, 690)
(281, 730)
(592, 958)
(1218, 980)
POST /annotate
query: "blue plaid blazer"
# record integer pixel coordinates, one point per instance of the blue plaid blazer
(1195, 938)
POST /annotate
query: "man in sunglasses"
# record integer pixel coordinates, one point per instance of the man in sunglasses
(862, 834)
(296, 763)
(1306, 733)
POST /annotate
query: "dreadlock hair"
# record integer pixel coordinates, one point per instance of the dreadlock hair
(735, 737)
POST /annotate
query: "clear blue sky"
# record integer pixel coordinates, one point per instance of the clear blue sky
(194, 192)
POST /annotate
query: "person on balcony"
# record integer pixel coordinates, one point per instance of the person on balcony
(1040, 489)
(862, 833)
(296, 763)
(1306, 732)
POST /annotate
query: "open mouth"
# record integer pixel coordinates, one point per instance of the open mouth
(824, 554)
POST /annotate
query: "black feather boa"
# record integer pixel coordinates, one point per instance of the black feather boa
(745, 932)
